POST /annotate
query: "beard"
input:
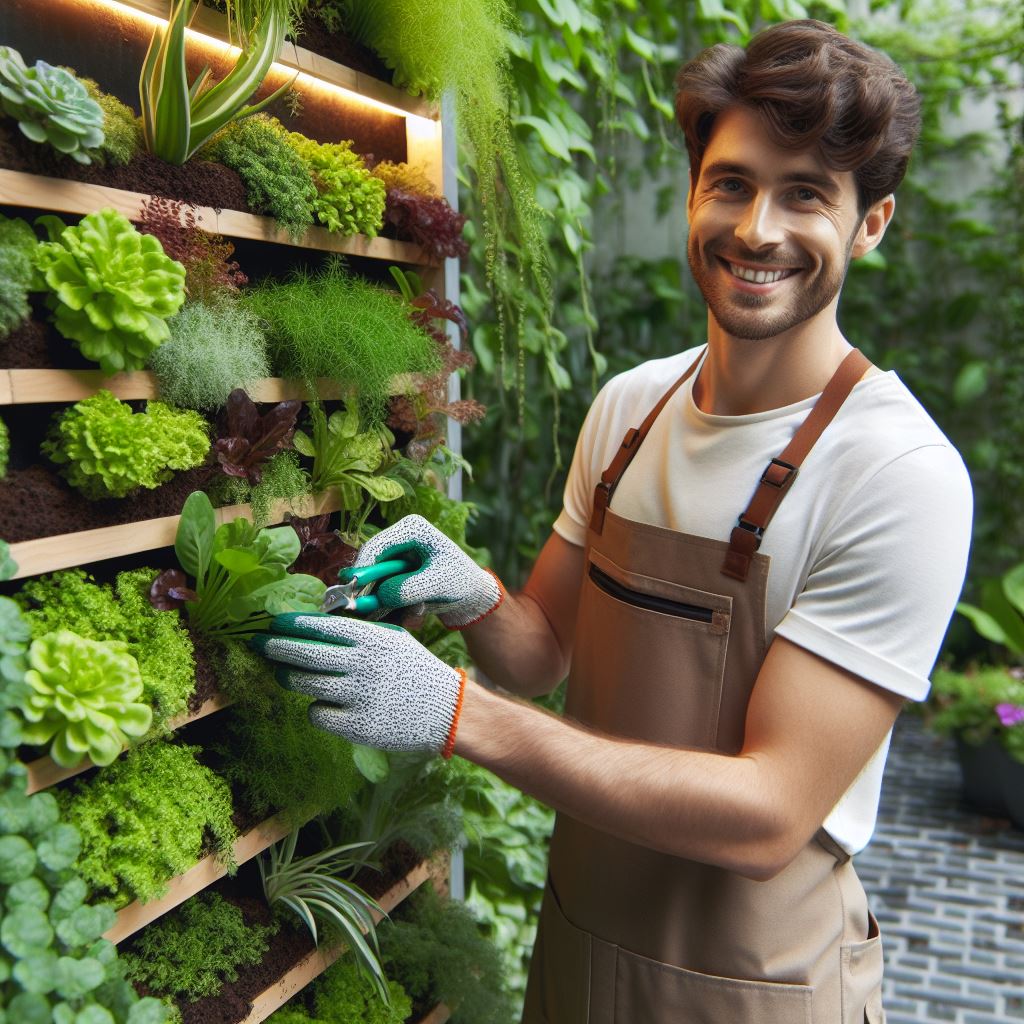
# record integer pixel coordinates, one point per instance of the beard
(759, 317)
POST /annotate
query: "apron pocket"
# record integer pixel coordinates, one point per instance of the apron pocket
(861, 967)
(558, 990)
(656, 993)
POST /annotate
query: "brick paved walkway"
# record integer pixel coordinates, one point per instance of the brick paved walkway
(947, 887)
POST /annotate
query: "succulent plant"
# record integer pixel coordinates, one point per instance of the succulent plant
(109, 451)
(82, 694)
(50, 105)
(112, 288)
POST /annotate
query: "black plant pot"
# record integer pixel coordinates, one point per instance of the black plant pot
(983, 769)
(1013, 789)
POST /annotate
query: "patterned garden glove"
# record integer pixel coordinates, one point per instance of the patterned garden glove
(447, 582)
(374, 684)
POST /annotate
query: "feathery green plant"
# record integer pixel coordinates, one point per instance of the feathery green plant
(338, 326)
(213, 349)
(50, 105)
(342, 994)
(107, 451)
(17, 271)
(193, 951)
(72, 600)
(139, 796)
(177, 119)
(316, 887)
(84, 696)
(111, 288)
(277, 180)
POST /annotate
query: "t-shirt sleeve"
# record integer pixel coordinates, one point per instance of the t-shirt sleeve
(885, 581)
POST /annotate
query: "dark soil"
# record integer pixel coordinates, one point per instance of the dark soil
(199, 181)
(287, 948)
(36, 345)
(206, 678)
(37, 502)
(339, 47)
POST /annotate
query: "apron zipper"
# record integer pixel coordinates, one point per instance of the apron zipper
(648, 601)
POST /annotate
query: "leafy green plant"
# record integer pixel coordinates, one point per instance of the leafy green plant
(213, 349)
(1001, 615)
(273, 758)
(50, 105)
(108, 451)
(17, 245)
(70, 599)
(437, 953)
(977, 704)
(336, 326)
(54, 965)
(122, 132)
(83, 695)
(111, 288)
(277, 180)
(342, 994)
(348, 460)
(119, 811)
(177, 119)
(193, 951)
(317, 887)
(240, 571)
(350, 200)
(8, 567)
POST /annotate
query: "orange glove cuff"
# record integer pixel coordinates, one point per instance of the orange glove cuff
(449, 744)
(494, 607)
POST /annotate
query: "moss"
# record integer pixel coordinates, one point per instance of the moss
(5, 448)
(274, 758)
(194, 950)
(283, 480)
(343, 995)
(213, 349)
(277, 180)
(71, 599)
(122, 129)
(155, 791)
(338, 326)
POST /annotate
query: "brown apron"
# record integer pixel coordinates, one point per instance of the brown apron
(670, 638)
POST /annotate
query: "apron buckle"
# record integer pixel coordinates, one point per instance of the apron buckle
(777, 474)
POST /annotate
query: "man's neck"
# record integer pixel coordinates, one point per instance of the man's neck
(741, 377)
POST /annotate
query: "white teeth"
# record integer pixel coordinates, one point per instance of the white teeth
(758, 276)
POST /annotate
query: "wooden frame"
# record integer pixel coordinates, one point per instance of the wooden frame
(47, 554)
(45, 772)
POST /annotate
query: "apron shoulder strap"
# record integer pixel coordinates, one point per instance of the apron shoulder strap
(630, 446)
(779, 475)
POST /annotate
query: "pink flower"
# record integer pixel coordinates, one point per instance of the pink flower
(1010, 714)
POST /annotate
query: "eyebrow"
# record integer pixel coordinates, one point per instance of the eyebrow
(822, 181)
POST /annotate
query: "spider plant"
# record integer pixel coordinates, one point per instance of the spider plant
(315, 887)
(177, 118)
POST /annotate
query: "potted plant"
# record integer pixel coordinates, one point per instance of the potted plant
(983, 706)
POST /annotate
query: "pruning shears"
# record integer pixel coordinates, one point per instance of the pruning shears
(353, 596)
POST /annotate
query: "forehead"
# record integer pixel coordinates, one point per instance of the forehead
(739, 137)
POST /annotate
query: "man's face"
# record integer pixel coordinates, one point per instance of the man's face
(771, 230)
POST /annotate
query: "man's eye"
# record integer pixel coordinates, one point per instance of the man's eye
(806, 195)
(731, 185)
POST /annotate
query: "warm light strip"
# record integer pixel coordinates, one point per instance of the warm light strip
(303, 76)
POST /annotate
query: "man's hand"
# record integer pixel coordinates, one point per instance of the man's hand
(374, 684)
(447, 582)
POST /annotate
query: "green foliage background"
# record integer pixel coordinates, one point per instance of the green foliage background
(941, 305)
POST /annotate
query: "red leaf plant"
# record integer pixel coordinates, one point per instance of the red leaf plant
(323, 551)
(251, 437)
(429, 221)
(169, 591)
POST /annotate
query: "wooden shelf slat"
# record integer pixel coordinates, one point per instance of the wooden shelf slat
(19, 188)
(276, 995)
(211, 868)
(47, 554)
(45, 772)
(212, 23)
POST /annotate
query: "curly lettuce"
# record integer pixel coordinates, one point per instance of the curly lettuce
(112, 289)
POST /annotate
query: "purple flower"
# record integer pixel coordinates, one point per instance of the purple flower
(1010, 714)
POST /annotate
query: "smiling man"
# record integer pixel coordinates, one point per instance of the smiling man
(761, 545)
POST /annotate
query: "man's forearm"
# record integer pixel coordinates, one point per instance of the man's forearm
(516, 648)
(707, 807)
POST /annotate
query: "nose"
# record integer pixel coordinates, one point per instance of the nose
(761, 225)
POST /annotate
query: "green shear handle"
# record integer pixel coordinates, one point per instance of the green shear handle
(347, 596)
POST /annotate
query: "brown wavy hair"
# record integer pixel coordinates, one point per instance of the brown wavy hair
(812, 86)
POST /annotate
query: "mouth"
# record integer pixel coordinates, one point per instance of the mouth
(758, 279)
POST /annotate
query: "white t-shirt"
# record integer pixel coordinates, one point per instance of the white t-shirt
(868, 548)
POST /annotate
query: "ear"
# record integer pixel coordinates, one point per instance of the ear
(872, 227)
